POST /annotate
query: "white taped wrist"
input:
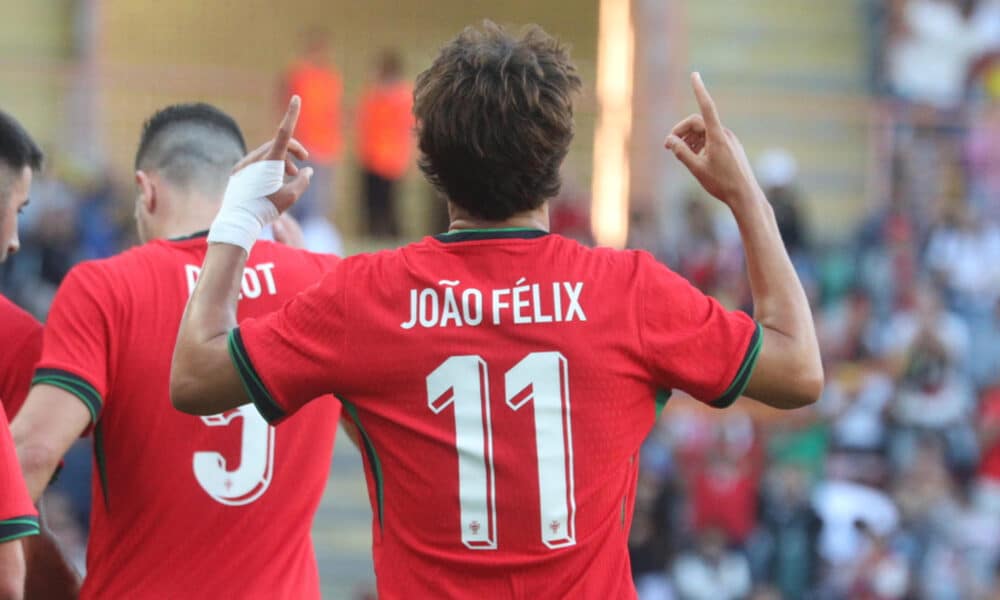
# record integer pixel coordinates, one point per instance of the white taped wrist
(245, 208)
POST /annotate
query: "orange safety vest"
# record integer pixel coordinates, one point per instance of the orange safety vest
(319, 125)
(385, 129)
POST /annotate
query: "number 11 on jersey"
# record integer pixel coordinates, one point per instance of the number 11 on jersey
(541, 379)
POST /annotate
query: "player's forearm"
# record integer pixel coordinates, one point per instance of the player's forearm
(38, 464)
(11, 571)
(201, 375)
(780, 306)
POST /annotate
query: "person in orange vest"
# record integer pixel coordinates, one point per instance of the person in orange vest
(315, 79)
(385, 139)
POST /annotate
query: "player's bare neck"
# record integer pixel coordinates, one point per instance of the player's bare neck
(189, 214)
(460, 220)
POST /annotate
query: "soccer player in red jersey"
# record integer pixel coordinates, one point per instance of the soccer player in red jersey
(184, 507)
(19, 158)
(502, 378)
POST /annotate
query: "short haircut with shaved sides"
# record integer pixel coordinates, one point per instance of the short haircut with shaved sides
(193, 146)
(495, 119)
(17, 150)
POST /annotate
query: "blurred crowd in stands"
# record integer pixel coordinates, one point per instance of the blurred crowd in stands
(890, 486)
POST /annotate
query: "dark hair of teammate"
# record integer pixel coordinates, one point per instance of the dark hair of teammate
(17, 150)
(191, 145)
(495, 118)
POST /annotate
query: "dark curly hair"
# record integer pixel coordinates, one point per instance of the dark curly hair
(495, 118)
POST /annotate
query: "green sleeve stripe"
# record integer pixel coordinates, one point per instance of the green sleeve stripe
(258, 394)
(372, 455)
(74, 385)
(739, 383)
(102, 463)
(18, 527)
(662, 397)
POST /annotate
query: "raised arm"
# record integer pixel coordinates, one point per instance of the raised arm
(789, 373)
(203, 379)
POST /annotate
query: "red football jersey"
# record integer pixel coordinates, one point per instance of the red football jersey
(185, 506)
(18, 354)
(18, 517)
(502, 382)
(22, 344)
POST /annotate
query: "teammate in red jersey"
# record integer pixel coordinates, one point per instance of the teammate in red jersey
(503, 378)
(19, 158)
(184, 507)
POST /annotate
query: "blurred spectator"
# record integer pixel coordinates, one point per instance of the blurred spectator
(879, 571)
(841, 505)
(855, 403)
(711, 571)
(928, 316)
(385, 139)
(698, 246)
(315, 79)
(963, 252)
(933, 45)
(724, 495)
(846, 329)
(982, 156)
(934, 398)
(784, 549)
(988, 429)
(777, 172)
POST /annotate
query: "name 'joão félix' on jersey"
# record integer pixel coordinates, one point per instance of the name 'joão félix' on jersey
(525, 303)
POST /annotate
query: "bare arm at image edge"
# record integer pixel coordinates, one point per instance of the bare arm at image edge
(789, 372)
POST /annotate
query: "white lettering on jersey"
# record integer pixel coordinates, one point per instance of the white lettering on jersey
(257, 280)
(523, 304)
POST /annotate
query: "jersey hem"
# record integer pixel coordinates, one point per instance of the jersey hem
(75, 385)
(254, 387)
(742, 378)
(18, 527)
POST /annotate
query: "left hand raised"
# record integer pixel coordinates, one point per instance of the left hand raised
(279, 148)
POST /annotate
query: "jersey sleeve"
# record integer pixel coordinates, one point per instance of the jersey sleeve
(18, 517)
(690, 341)
(78, 336)
(18, 354)
(293, 355)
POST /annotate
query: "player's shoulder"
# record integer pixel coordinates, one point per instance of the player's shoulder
(129, 261)
(16, 318)
(265, 250)
(627, 263)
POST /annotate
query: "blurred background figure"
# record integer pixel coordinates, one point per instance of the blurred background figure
(711, 571)
(314, 77)
(385, 143)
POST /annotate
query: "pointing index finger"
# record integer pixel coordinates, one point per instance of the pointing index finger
(285, 130)
(705, 103)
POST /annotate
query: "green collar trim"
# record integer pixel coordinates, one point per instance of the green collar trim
(499, 233)
(184, 238)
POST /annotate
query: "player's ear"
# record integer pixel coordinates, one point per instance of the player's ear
(146, 191)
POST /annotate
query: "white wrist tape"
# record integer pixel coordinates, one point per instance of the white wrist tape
(245, 207)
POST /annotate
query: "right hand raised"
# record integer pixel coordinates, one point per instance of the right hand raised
(711, 152)
(279, 148)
